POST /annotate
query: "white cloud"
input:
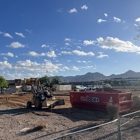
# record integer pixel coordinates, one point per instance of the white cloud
(6, 34)
(81, 61)
(51, 54)
(88, 42)
(73, 10)
(68, 39)
(4, 65)
(105, 14)
(101, 20)
(81, 53)
(136, 25)
(101, 55)
(64, 68)
(29, 31)
(65, 52)
(88, 67)
(20, 34)
(30, 68)
(44, 46)
(28, 65)
(5, 58)
(78, 47)
(68, 60)
(60, 10)
(138, 19)
(34, 54)
(75, 68)
(67, 44)
(117, 45)
(117, 19)
(84, 7)
(16, 45)
(8, 54)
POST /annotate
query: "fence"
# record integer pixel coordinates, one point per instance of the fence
(124, 128)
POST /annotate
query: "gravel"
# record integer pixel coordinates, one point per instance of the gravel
(18, 122)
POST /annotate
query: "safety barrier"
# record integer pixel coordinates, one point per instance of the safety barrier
(125, 127)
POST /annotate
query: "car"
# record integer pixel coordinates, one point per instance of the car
(80, 87)
(91, 87)
(107, 86)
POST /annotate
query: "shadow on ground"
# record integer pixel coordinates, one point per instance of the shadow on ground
(73, 114)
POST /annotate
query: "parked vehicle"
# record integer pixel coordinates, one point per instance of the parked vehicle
(107, 86)
(97, 87)
(91, 87)
(80, 87)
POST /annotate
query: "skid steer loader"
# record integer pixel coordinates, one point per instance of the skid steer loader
(41, 96)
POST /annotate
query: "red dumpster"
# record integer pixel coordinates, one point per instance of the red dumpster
(99, 100)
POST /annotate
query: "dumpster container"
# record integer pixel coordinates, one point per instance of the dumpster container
(99, 100)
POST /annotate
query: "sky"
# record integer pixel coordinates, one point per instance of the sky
(68, 37)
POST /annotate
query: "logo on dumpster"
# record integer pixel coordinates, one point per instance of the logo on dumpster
(89, 99)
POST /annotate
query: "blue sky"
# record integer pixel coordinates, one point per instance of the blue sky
(68, 38)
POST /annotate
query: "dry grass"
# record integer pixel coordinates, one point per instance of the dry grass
(136, 101)
(113, 111)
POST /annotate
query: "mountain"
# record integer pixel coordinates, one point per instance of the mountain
(127, 74)
(87, 77)
(97, 76)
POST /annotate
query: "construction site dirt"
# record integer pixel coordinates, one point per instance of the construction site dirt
(18, 122)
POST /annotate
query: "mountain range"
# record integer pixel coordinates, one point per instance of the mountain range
(98, 76)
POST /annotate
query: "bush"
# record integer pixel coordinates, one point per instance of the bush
(136, 101)
(113, 111)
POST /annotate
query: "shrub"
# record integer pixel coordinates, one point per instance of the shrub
(113, 111)
(136, 101)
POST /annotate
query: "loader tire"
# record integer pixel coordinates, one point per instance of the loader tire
(38, 103)
(29, 104)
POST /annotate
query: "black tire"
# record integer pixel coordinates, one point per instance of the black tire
(38, 103)
(29, 104)
(51, 106)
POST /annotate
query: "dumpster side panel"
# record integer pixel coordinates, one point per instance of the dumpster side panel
(99, 100)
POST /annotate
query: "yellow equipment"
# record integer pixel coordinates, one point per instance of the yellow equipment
(41, 96)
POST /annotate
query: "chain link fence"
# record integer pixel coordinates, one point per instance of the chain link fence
(126, 127)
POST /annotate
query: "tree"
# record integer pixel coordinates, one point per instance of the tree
(55, 80)
(3, 83)
(45, 80)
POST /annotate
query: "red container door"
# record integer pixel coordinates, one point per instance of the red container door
(124, 102)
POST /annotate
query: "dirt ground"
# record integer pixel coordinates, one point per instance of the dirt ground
(45, 124)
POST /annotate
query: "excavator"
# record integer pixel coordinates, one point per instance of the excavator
(41, 95)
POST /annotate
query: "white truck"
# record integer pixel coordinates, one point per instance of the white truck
(91, 87)
(81, 87)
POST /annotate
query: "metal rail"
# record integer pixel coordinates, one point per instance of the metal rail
(130, 113)
(68, 134)
(119, 136)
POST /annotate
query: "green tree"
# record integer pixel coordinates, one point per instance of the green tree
(45, 80)
(3, 83)
(55, 80)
